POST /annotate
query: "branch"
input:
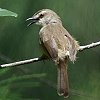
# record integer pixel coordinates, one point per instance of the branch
(81, 48)
(23, 62)
(92, 45)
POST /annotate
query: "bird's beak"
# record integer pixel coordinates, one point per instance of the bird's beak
(33, 20)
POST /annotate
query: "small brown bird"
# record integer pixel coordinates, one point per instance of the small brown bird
(58, 43)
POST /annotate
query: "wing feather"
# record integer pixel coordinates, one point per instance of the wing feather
(49, 43)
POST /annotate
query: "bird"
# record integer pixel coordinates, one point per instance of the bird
(58, 45)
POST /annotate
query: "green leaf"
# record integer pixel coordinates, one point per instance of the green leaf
(4, 12)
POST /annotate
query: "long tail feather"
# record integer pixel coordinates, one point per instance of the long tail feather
(63, 85)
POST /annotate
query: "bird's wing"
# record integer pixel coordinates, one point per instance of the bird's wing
(49, 44)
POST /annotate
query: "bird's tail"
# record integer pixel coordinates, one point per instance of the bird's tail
(63, 85)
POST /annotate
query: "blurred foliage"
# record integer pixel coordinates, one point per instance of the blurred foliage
(37, 81)
(4, 12)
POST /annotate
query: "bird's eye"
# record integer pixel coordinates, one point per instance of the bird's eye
(41, 15)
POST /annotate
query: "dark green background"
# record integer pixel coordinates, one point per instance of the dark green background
(18, 42)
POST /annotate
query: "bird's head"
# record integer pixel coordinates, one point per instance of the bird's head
(44, 17)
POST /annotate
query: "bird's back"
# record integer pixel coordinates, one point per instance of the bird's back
(64, 41)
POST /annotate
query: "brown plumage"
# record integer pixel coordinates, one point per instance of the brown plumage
(59, 44)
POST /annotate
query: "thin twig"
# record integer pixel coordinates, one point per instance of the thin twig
(81, 48)
(92, 45)
(23, 62)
